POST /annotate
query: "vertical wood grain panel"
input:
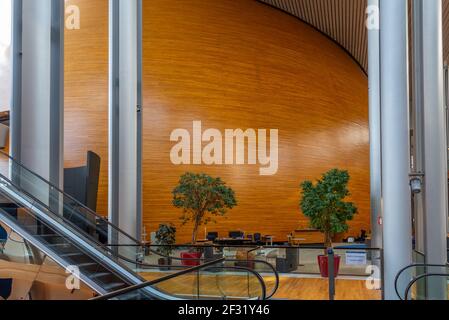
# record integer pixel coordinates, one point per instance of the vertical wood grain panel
(86, 91)
(241, 64)
(231, 64)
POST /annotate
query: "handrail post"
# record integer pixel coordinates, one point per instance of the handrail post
(331, 273)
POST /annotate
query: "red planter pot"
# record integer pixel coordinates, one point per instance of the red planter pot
(191, 255)
(323, 262)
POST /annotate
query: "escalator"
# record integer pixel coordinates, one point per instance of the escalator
(422, 281)
(210, 281)
(75, 237)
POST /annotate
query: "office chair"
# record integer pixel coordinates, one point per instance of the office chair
(236, 235)
(257, 237)
(212, 236)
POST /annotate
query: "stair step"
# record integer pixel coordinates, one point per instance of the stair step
(71, 255)
(59, 245)
(100, 275)
(87, 265)
(114, 286)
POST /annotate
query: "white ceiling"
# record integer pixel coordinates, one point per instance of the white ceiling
(344, 22)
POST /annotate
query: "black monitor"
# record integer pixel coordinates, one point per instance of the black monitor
(212, 236)
(236, 235)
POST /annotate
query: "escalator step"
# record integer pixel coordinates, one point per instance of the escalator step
(51, 238)
(100, 275)
(87, 265)
(114, 286)
(59, 245)
(71, 255)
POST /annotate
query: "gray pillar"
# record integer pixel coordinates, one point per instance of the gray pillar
(417, 123)
(397, 227)
(38, 79)
(375, 128)
(125, 117)
(435, 145)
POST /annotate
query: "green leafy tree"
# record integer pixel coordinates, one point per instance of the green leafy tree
(323, 203)
(201, 198)
(166, 238)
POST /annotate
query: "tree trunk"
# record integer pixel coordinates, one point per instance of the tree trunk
(195, 233)
(327, 241)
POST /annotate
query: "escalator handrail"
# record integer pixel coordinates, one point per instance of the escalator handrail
(275, 272)
(76, 202)
(269, 296)
(426, 275)
(153, 282)
(178, 274)
(415, 265)
(76, 228)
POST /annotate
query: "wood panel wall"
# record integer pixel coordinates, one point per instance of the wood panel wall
(230, 64)
(86, 91)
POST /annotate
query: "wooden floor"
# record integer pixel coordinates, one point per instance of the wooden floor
(290, 288)
(317, 289)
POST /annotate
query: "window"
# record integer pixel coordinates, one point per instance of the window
(5, 54)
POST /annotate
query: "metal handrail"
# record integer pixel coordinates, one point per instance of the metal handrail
(416, 265)
(427, 275)
(77, 203)
(253, 246)
(181, 273)
(145, 265)
(66, 221)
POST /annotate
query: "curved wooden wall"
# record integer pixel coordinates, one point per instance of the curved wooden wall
(231, 64)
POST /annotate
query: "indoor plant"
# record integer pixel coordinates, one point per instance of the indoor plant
(323, 203)
(202, 198)
(165, 239)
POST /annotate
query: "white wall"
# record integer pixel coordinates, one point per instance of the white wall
(5, 46)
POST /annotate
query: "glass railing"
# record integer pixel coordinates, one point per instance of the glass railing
(29, 274)
(210, 281)
(429, 286)
(62, 247)
(294, 266)
(415, 274)
(156, 264)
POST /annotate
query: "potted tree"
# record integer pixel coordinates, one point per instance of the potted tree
(165, 239)
(201, 198)
(323, 203)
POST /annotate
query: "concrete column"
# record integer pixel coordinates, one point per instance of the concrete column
(375, 125)
(125, 117)
(435, 144)
(397, 226)
(37, 105)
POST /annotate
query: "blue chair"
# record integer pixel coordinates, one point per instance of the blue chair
(3, 238)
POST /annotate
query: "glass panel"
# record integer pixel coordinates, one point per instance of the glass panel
(56, 242)
(17, 178)
(414, 272)
(210, 283)
(5, 56)
(433, 287)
